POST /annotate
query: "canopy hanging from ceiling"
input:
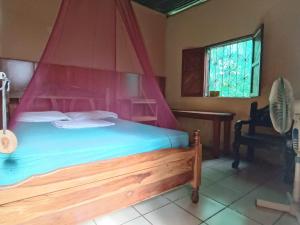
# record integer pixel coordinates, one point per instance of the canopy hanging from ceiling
(95, 58)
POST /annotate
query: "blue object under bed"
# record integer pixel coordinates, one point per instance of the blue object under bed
(44, 148)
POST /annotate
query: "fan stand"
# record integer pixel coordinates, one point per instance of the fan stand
(293, 208)
(281, 109)
(8, 140)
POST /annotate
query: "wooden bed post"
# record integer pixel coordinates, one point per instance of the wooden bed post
(197, 166)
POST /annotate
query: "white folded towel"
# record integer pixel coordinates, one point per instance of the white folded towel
(82, 124)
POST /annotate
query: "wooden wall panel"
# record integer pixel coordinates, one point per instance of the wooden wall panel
(193, 64)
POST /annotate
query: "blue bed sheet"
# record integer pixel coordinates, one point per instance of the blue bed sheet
(44, 148)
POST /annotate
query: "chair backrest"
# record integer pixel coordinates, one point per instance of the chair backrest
(259, 117)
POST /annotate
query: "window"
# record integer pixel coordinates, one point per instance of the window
(233, 68)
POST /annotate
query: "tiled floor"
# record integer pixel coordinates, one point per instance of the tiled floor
(227, 197)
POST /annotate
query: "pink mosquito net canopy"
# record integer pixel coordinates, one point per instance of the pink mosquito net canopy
(95, 59)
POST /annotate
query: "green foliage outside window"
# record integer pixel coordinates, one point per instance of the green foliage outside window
(234, 67)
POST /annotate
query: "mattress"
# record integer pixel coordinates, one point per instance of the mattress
(44, 148)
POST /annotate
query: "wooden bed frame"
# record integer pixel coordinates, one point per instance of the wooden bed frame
(79, 193)
(76, 194)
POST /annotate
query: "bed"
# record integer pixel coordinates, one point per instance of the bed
(78, 175)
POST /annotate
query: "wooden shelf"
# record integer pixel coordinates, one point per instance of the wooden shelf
(144, 118)
(142, 101)
(139, 102)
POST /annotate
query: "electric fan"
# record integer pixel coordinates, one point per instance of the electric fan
(8, 140)
(282, 112)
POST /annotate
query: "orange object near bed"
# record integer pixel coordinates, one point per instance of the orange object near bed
(8, 142)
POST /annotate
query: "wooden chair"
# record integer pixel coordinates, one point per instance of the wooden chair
(261, 118)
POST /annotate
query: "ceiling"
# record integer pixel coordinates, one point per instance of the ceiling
(170, 7)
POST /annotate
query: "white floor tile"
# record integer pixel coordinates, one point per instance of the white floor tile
(270, 193)
(204, 209)
(91, 222)
(277, 183)
(118, 217)
(171, 215)
(206, 182)
(261, 166)
(138, 221)
(287, 219)
(230, 217)
(238, 184)
(259, 174)
(226, 166)
(258, 178)
(220, 193)
(211, 162)
(178, 193)
(212, 174)
(151, 204)
(246, 206)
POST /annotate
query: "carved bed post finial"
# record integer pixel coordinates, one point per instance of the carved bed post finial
(197, 166)
(196, 138)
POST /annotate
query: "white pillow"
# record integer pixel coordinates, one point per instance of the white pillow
(73, 124)
(44, 116)
(91, 115)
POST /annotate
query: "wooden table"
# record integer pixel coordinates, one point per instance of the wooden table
(216, 118)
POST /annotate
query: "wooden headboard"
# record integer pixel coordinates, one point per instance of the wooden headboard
(67, 103)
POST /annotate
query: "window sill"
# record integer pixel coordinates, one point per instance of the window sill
(220, 97)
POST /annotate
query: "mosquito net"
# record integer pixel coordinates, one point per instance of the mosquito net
(95, 59)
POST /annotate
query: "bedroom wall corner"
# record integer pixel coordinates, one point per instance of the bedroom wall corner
(153, 27)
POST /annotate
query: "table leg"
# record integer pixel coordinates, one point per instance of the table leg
(227, 136)
(216, 138)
